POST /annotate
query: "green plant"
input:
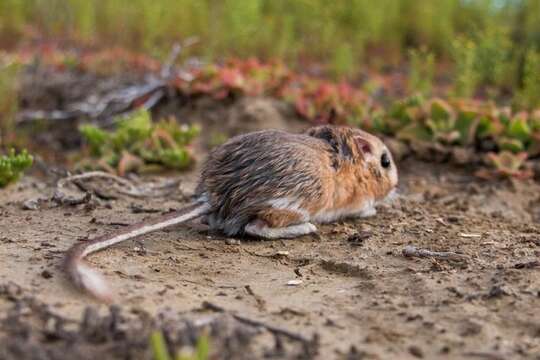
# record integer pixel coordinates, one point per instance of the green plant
(492, 51)
(422, 70)
(529, 94)
(507, 165)
(343, 60)
(137, 142)
(466, 77)
(159, 346)
(464, 123)
(289, 29)
(160, 351)
(12, 166)
(9, 71)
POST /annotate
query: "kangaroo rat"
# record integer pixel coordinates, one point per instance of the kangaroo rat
(269, 184)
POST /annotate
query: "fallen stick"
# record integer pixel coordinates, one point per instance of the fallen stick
(126, 187)
(413, 251)
(95, 174)
(256, 323)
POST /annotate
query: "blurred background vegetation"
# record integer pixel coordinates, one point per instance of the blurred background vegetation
(487, 46)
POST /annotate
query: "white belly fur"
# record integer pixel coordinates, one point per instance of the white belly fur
(326, 216)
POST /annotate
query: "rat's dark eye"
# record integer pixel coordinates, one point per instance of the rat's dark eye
(385, 161)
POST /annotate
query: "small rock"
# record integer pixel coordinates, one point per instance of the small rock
(31, 204)
(453, 219)
(416, 351)
(232, 242)
(46, 274)
(294, 282)
(358, 237)
(470, 328)
(469, 235)
(498, 291)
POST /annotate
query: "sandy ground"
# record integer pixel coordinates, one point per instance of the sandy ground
(357, 290)
(356, 295)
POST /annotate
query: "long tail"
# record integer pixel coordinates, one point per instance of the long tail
(86, 278)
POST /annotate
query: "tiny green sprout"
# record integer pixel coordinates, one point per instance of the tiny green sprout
(159, 347)
(201, 351)
(160, 351)
(13, 165)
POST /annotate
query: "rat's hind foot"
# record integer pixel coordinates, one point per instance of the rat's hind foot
(260, 229)
(368, 212)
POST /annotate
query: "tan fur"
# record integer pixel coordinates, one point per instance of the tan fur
(280, 218)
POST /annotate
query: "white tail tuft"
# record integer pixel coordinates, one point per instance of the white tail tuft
(93, 281)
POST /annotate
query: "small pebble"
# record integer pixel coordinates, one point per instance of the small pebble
(32, 204)
(46, 274)
(416, 351)
(294, 282)
(357, 238)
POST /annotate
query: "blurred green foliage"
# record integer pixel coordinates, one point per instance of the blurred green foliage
(340, 33)
(422, 71)
(466, 78)
(512, 137)
(138, 142)
(529, 94)
(475, 126)
(9, 70)
(160, 351)
(12, 166)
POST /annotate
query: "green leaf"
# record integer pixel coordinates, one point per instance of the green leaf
(440, 110)
(414, 132)
(489, 127)
(203, 348)
(509, 144)
(467, 125)
(508, 163)
(159, 347)
(132, 130)
(95, 137)
(12, 166)
(519, 128)
(174, 158)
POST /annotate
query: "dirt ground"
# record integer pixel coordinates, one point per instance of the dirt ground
(356, 296)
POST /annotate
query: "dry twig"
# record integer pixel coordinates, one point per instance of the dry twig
(271, 328)
(124, 187)
(413, 251)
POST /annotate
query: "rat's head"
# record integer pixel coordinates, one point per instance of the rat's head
(377, 160)
(367, 153)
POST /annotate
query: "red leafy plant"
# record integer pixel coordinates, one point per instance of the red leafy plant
(506, 164)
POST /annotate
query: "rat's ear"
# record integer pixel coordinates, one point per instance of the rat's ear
(363, 145)
(325, 133)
